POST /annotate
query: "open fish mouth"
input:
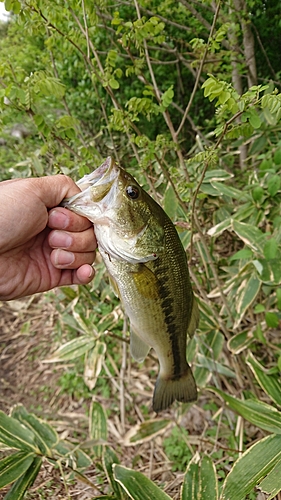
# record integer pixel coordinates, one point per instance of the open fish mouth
(98, 190)
(100, 176)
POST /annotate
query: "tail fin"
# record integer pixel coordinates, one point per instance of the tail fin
(169, 390)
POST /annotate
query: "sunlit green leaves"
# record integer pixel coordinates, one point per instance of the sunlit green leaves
(222, 91)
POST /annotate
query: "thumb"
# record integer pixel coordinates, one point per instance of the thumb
(54, 188)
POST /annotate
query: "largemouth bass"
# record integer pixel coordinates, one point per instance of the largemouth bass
(148, 267)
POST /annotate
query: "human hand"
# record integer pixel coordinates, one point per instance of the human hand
(42, 247)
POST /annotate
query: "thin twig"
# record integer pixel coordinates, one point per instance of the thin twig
(86, 29)
(200, 69)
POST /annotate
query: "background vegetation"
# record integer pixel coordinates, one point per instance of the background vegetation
(186, 96)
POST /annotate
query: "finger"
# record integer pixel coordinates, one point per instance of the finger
(62, 218)
(81, 276)
(53, 189)
(62, 259)
(85, 241)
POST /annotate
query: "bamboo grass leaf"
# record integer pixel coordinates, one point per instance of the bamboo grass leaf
(269, 383)
(16, 435)
(252, 467)
(258, 413)
(13, 466)
(19, 488)
(138, 486)
(72, 349)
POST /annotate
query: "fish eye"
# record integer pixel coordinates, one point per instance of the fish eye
(132, 192)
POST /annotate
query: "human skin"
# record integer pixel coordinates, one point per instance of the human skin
(42, 245)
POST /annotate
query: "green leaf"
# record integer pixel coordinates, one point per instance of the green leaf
(252, 467)
(109, 458)
(220, 227)
(258, 413)
(269, 270)
(19, 488)
(15, 435)
(246, 294)
(258, 194)
(240, 342)
(93, 364)
(190, 487)
(76, 458)
(113, 83)
(269, 383)
(217, 175)
(98, 426)
(208, 480)
(272, 319)
(245, 253)
(225, 190)
(250, 235)
(277, 157)
(278, 297)
(66, 122)
(72, 349)
(170, 202)
(211, 351)
(254, 119)
(213, 366)
(138, 486)
(13, 466)
(271, 484)
(145, 431)
(273, 185)
(46, 436)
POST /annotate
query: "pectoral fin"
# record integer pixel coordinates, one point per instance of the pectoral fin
(139, 349)
(146, 282)
(114, 286)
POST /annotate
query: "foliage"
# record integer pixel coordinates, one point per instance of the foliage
(164, 88)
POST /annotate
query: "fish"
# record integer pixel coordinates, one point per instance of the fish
(148, 269)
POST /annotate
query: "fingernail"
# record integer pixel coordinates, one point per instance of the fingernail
(64, 258)
(58, 219)
(59, 239)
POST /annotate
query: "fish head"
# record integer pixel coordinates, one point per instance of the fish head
(127, 221)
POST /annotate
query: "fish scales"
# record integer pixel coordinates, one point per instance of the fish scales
(147, 264)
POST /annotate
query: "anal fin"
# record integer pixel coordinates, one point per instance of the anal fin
(139, 349)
